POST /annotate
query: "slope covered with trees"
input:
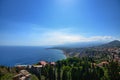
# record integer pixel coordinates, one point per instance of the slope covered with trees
(71, 69)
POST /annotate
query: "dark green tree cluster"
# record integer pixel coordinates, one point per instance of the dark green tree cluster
(7, 73)
(77, 69)
(81, 69)
(114, 71)
(70, 69)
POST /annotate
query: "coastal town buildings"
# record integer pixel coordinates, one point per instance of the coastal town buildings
(23, 75)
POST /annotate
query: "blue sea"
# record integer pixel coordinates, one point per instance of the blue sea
(14, 55)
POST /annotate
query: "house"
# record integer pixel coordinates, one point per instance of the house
(52, 63)
(104, 63)
(23, 75)
(43, 63)
(37, 66)
(21, 67)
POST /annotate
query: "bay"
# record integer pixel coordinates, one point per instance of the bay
(13, 55)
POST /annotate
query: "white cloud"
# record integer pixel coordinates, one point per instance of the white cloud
(44, 36)
(57, 37)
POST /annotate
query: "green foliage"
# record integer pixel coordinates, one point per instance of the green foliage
(59, 66)
(113, 71)
(51, 73)
(66, 73)
(6, 73)
(79, 69)
(7, 76)
(33, 77)
(76, 73)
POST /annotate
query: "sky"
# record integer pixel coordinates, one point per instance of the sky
(56, 22)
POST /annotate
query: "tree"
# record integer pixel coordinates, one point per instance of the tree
(113, 71)
(58, 65)
(75, 73)
(51, 73)
(66, 73)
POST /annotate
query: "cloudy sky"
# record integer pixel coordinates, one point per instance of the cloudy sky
(54, 22)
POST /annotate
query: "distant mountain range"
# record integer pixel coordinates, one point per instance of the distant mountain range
(80, 45)
(89, 49)
(115, 43)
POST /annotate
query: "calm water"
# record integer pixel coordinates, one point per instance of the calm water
(10, 56)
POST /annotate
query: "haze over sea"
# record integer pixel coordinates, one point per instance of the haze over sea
(13, 55)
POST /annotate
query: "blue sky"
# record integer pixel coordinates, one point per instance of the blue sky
(54, 22)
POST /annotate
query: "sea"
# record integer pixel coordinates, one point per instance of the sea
(28, 55)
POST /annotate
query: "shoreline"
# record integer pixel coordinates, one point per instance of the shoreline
(60, 50)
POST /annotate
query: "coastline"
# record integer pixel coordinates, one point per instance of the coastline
(63, 51)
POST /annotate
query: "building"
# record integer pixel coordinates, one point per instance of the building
(52, 63)
(23, 75)
(104, 63)
(21, 67)
(43, 63)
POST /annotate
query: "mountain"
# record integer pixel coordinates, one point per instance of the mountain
(80, 45)
(89, 50)
(115, 43)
